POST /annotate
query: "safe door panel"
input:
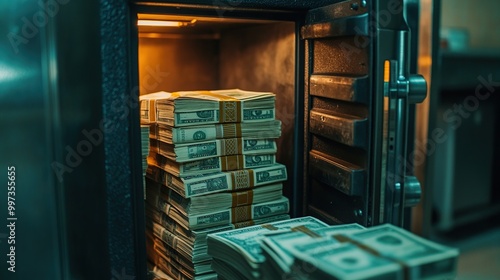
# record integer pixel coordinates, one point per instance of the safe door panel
(353, 111)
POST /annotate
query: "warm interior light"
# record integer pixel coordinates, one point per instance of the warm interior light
(146, 22)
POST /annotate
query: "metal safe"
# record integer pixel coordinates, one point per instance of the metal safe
(72, 72)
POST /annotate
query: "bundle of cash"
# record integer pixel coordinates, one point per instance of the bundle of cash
(192, 244)
(185, 250)
(215, 148)
(159, 195)
(187, 134)
(276, 248)
(240, 248)
(204, 184)
(207, 107)
(421, 258)
(329, 259)
(147, 103)
(211, 167)
(226, 216)
(353, 252)
(311, 251)
(155, 273)
(177, 271)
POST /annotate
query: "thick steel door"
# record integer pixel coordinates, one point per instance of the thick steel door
(357, 92)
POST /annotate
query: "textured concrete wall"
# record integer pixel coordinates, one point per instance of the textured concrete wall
(262, 58)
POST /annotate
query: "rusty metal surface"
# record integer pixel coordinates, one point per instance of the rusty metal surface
(353, 89)
(341, 175)
(262, 58)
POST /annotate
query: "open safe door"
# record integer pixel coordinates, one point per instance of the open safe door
(357, 93)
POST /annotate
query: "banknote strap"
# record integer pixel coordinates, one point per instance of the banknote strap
(228, 130)
(343, 238)
(305, 230)
(242, 179)
(269, 227)
(152, 110)
(229, 107)
(232, 146)
(230, 111)
(234, 162)
(242, 198)
(241, 213)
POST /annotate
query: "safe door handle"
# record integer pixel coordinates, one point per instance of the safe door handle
(401, 90)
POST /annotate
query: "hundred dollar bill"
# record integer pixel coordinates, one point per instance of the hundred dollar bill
(214, 116)
(216, 148)
(188, 134)
(242, 246)
(423, 259)
(157, 203)
(278, 246)
(222, 181)
(174, 222)
(329, 259)
(240, 213)
(194, 238)
(207, 107)
(211, 165)
(229, 215)
(239, 216)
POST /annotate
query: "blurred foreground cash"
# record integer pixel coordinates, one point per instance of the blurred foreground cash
(303, 248)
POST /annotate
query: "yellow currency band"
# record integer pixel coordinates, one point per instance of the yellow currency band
(230, 130)
(233, 162)
(343, 238)
(229, 107)
(152, 110)
(241, 213)
(242, 198)
(269, 227)
(242, 179)
(305, 230)
(232, 146)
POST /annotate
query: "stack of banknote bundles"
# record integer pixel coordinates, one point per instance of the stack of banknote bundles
(305, 248)
(211, 168)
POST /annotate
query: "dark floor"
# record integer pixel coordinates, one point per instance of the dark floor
(479, 246)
